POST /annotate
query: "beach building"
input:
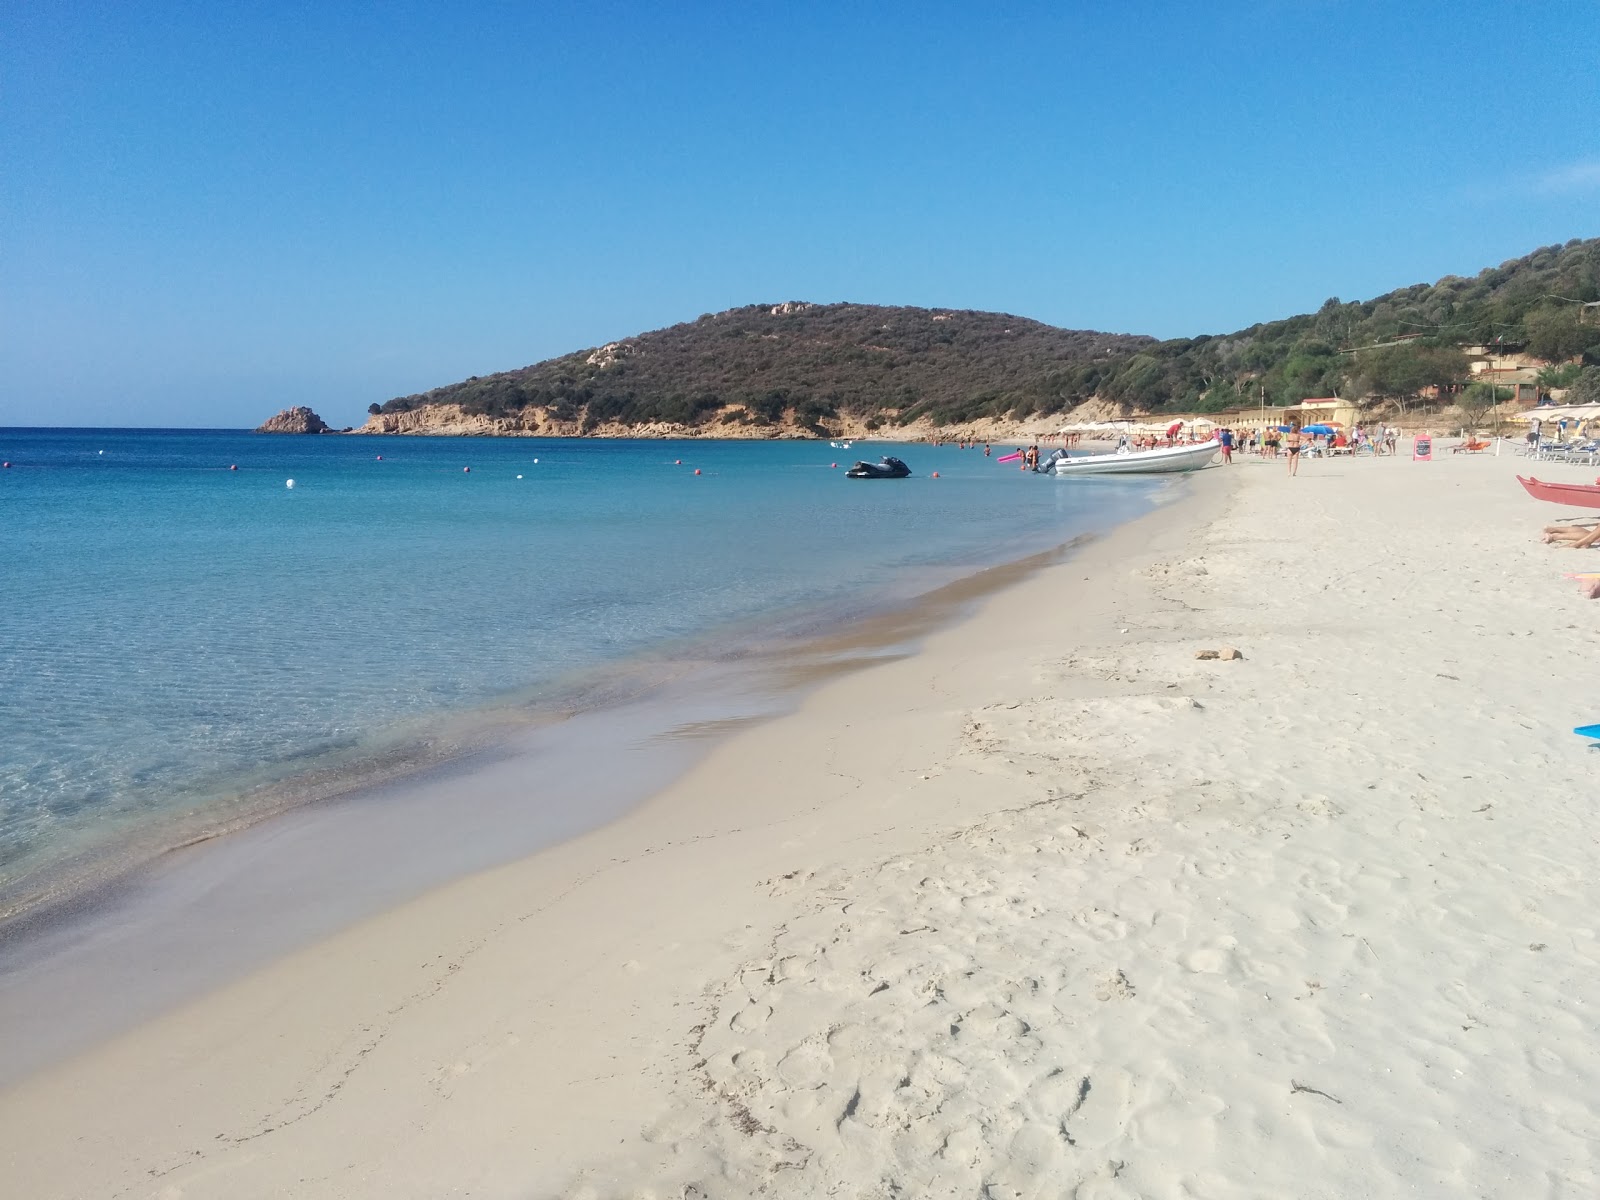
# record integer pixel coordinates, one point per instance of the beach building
(1505, 365)
(1328, 410)
(1251, 417)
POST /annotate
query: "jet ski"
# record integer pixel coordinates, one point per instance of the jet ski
(884, 468)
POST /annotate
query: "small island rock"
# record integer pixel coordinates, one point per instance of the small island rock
(294, 420)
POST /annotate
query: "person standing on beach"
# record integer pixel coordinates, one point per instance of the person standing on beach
(1225, 436)
(1292, 442)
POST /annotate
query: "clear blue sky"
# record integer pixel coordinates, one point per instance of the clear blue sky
(214, 211)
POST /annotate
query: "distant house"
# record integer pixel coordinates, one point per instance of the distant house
(1329, 410)
(1504, 363)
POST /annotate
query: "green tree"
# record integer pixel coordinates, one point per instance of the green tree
(1400, 373)
(1474, 404)
(1585, 389)
(1559, 376)
(1311, 370)
(1558, 334)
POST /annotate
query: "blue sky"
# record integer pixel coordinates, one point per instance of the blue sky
(214, 211)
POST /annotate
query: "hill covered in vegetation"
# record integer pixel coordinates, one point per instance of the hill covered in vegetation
(813, 362)
(809, 365)
(1387, 348)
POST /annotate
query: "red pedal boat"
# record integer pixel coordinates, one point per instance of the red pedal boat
(1584, 495)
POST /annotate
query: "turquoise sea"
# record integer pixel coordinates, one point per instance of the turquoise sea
(183, 643)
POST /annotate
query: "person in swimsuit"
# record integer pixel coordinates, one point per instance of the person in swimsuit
(1291, 442)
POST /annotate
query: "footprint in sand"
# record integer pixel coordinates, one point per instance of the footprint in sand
(789, 881)
(791, 969)
(807, 1066)
(1101, 925)
(1209, 960)
(673, 1126)
(750, 1018)
(1116, 986)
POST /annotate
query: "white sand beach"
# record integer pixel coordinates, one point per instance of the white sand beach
(1051, 908)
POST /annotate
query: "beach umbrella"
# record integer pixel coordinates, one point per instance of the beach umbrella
(1324, 430)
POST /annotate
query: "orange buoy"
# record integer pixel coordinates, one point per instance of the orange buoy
(677, 462)
(936, 474)
(833, 466)
(380, 458)
(697, 470)
(8, 466)
(466, 470)
(231, 466)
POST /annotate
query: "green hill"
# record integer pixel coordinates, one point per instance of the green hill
(804, 363)
(1388, 347)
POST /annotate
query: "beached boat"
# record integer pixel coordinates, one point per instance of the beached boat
(1163, 461)
(1584, 495)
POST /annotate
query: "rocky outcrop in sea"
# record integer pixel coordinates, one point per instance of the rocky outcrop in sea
(295, 420)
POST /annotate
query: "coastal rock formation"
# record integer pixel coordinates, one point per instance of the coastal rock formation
(539, 421)
(294, 420)
(733, 422)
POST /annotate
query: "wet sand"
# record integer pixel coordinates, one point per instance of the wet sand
(509, 785)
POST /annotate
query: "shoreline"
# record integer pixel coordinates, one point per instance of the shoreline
(86, 848)
(1048, 904)
(581, 767)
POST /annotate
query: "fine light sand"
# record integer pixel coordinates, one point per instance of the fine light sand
(1052, 908)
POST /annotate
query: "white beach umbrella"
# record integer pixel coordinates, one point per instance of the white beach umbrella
(1554, 412)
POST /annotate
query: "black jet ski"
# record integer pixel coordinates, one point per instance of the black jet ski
(884, 468)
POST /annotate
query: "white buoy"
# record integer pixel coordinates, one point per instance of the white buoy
(535, 463)
(519, 476)
(288, 483)
(102, 452)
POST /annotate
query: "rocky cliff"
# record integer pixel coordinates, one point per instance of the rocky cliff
(294, 420)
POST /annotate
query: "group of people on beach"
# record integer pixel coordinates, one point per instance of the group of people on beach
(1269, 441)
(1293, 441)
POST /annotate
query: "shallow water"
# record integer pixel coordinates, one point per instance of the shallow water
(185, 643)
